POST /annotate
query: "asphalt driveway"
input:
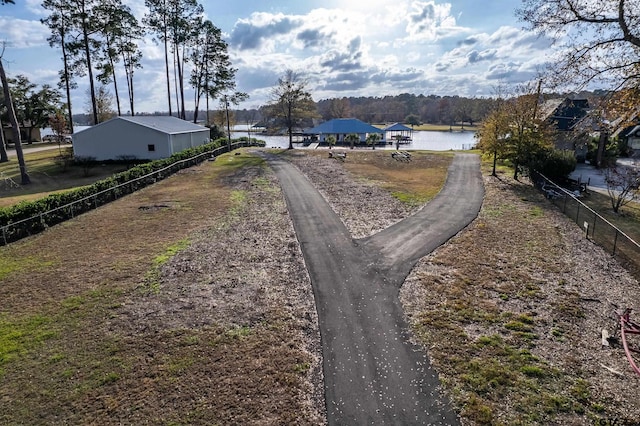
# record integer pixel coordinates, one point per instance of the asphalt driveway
(373, 373)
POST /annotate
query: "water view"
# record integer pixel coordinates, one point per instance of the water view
(422, 140)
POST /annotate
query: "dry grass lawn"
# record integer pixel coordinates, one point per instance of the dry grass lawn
(79, 341)
(188, 303)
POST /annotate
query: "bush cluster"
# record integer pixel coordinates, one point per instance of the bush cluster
(35, 216)
(557, 165)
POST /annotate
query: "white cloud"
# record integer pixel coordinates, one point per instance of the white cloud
(21, 33)
(430, 21)
(344, 47)
(35, 7)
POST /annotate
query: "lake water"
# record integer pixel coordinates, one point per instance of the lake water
(422, 140)
(48, 131)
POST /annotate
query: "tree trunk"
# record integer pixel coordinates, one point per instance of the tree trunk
(183, 113)
(3, 146)
(115, 84)
(128, 70)
(67, 76)
(14, 125)
(166, 64)
(207, 98)
(198, 93)
(290, 125)
(495, 161)
(175, 83)
(92, 87)
(602, 143)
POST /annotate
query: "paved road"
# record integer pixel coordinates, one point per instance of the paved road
(11, 152)
(373, 373)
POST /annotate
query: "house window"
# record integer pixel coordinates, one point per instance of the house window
(151, 147)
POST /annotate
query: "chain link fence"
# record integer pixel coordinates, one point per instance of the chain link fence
(594, 226)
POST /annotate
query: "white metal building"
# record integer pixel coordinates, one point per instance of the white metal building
(142, 137)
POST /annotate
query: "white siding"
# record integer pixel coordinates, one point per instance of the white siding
(117, 137)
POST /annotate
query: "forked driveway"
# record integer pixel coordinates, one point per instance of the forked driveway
(373, 373)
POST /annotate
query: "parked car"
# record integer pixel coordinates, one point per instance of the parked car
(54, 138)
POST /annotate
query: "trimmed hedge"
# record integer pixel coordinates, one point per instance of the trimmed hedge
(31, 217)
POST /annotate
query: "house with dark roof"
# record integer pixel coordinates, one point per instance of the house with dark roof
(568, 117)
(341, 127)
(633, 139)
(140, 137)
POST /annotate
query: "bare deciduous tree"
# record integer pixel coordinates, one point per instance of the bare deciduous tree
(599, 40)
(291, 102)
(622, 185)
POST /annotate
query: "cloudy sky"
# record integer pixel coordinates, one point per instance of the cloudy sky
(343, 47)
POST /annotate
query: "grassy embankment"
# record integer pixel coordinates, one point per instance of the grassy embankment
(438, 127)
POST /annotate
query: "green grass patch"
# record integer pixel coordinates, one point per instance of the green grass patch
(238, 159)
(411, 199)
(238, 200)
(536, 211)
(302, 367)
(152, 277)
(239, 332)
(171, 251)
(10, 265)
(445, 127)
(17, 336)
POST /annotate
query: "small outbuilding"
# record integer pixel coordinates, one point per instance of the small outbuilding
(340, 128)
(140, 137)
(399, 133)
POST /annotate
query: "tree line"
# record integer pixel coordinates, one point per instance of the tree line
(404, 108)
(98, 41)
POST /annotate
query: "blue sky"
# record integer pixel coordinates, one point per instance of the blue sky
(343, 47)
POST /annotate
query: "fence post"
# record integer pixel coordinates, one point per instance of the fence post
(564, 208)
(615, 242)
(577, 213)
(595, 218)
(4, 234)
